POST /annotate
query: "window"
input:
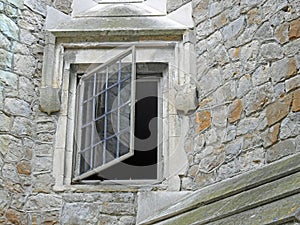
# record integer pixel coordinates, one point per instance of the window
(116, 133)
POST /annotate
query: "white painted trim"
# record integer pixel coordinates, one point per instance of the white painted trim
(183, 15)
(79, 6)
(63, 153)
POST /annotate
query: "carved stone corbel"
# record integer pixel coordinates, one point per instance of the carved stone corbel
(49, 91)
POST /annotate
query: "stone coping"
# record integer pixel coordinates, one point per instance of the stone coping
(235, 195)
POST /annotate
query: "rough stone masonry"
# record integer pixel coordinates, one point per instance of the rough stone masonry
(248, 114)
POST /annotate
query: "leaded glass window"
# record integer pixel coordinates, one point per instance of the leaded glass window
(105, 115)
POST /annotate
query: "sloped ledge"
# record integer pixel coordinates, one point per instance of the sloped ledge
(269, 195)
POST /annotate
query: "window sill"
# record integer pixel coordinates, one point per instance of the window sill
(110, 187)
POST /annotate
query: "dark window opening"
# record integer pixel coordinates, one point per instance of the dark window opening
(144, 163)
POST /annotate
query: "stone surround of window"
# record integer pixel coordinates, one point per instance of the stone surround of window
(69, 56)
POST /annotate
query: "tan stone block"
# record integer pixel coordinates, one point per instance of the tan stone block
(193, 170)
(296, 101)
(270, 137)
(278, 110)
(235, 110)
(254, 16)
(292, 68)
(24, 168)
(205, 101)
(281, 33)
(13, 216)
(203, 119)
(294, 29)
(220, 21)
(237, 53)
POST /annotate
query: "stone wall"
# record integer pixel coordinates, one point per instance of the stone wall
(248, 116)
(27, 135)
(248, 81)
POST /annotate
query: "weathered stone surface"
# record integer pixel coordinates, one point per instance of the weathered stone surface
(18, 3)
(127, 220)
(37, 202)
(215, 8)
(24, 65)
(248, 55)
(118, 208)
(9, 173)
(292, 68)
(292, 48)
(13, 216)
(282, 69)
(41, 164)
(234, 148)
(219, 118)
(186, 99)
(9, 79)
(270, 136)
(11, 147)
(280, 150)
(5, 43)
(264, 32)
(211, 81)
(261, 75)
(200, 10)
(26, 37)
(251, 159)
(226, 92)
(290, 126)
(211, 158)
(4, 200)
(8, 27)
(43, 183)
(220, 20)
(230, 134)
(5, 59)
(152, 202)
(247, 125)
(296, 101)
(203, 119)
(281, 33)
(251, 182)
(5, 122)
(233, 29)
(254, 16)
(235, 110)
(277, 111)
(20, 48)
(292, 83)
(271, 51)
(22, 126)
(26, 89)
(294, 29)
(24, 168)
(258, 98)
(17, 107)
(244, 86)
(81, 213)
(14, 149)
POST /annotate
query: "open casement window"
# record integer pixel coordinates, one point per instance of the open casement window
(105, 116)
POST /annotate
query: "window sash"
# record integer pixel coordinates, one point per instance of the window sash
(92, 100)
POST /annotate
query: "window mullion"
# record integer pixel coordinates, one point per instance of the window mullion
(93, 123)
(133, 99)
(119, 102)
(105, 117)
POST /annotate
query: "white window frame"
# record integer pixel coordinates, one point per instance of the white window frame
(166, 52)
